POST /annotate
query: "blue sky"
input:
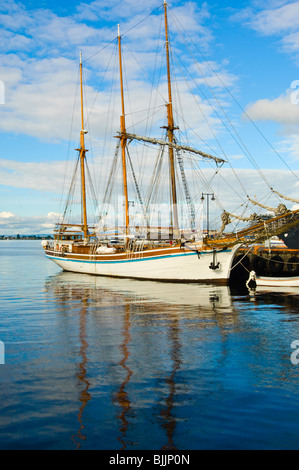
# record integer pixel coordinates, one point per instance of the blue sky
(253, 46)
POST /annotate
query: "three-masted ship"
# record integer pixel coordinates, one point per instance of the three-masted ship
(144, 253)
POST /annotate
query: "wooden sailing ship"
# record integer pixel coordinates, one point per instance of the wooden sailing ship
(82, 248)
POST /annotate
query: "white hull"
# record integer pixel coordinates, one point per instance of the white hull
(170, 266)
(278, 282)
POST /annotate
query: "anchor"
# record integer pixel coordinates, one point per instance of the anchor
(213, 265)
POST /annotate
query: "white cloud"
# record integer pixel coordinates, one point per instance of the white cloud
(41, 82)
(6, 215)
(236, 157)
(281, 110)
(100, 9)
(273, 18)
(47, 177)
(290, 145)
(61, 31)
(14, 16)
(35, 103)
(16, 224)
(54, 215)
(212, 74)
(11, 42)
(277, 20)
(285, 113)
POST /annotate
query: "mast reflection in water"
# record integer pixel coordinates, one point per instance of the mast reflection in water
(82, 375)
(167, 414)
(106, 309)
(122, 397)
(97, 363)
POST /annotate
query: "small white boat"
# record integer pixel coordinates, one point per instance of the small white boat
(277, 281)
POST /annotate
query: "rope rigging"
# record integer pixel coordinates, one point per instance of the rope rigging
(208, 63)
(159, 183)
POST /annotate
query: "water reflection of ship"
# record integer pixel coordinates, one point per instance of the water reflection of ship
(201, 296)
(64, 293)
(211, 303)
(122, 397)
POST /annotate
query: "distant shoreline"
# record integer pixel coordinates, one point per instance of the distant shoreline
(26, 237)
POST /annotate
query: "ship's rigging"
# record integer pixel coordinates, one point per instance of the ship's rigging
(175, 161)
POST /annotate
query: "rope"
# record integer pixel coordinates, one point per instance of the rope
(239, 105)
(276, 261)
(240, 262)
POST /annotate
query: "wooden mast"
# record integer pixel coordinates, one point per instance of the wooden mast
(83, 151)
(123, 139)
(171, 128)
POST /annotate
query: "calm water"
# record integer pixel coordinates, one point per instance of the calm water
(96, 363)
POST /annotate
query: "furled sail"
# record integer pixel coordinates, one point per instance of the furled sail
(280, 210)
(258, 233)
(252, 218)
(296, 201)
(227, 219)
(175, 146)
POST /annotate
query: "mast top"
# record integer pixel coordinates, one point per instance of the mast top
(80, 57)
(118, 29)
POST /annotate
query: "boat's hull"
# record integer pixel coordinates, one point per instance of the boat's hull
(278, 282)
(172, 265)
(291, 239)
